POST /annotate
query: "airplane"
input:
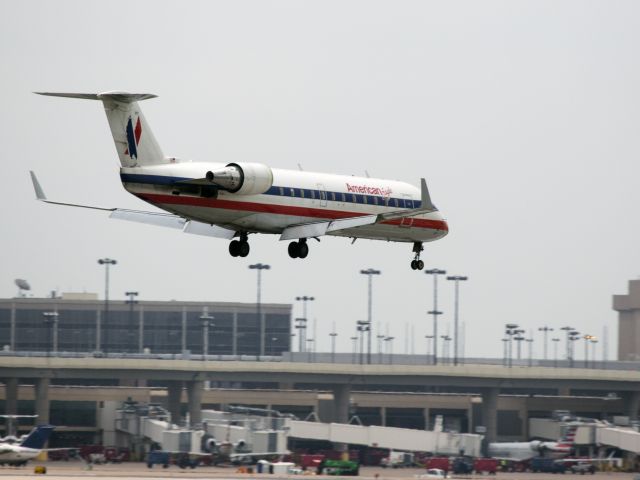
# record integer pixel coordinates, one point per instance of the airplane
(233, 200)
(29, 448)
(521, 451)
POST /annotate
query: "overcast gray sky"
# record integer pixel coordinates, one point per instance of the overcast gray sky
(523, 117)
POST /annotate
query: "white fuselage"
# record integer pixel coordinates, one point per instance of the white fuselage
(295, 197)
(521, 451)
(16, 454)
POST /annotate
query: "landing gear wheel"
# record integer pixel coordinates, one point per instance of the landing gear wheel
(234, 248)
(416, 263)
(244, 248)
(303, 250)
(293, 250)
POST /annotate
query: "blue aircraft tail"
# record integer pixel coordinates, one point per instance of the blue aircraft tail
(38, 437)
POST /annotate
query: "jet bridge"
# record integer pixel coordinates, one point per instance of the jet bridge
(439, 443)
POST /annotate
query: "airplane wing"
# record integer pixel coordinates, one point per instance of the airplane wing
(150, 218)
(317, 229)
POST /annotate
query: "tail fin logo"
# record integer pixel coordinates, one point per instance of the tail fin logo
(133, 138)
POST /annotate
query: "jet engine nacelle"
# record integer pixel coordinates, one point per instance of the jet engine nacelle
(537, 446)
(242, 178)
(208, 443)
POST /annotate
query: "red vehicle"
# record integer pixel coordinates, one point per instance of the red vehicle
(310, 462)
(489, 465)
(438, 462)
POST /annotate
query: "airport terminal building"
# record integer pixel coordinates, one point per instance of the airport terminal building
(81, 323)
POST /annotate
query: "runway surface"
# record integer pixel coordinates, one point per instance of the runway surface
(76, 469)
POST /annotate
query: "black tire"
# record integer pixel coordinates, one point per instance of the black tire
(243, 249)
(293, 250)
(303, 250)
(414, 264)
(420, 264)
(234, 248)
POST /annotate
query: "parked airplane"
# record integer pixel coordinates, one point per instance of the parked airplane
(27, 449)
(228, 200)
(521, 451)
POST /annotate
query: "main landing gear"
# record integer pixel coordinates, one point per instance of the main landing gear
(416, 263)
(240, 248)
(299, 249)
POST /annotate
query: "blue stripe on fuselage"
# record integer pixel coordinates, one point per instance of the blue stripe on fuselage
(292, 192)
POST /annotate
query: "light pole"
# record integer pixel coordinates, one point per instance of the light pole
(106, 262)
(259, 267)
(369, 272)
(380, 338)
(446, 339)
(519, 338)
(567, 329)
(545, 330)
(301, 326)
(310, 349)
(333, 336)
(363, 327)
(354, 342)
(435, 312)
(510, 330)
(594, 340)
(505, 341)
(429, 341)
(206, 320)
(131, 301)
(573, 336)
(51, 321)
(389, 349)
(587, 338)
(303, 339)
(555, 351)
(530, 344)
(457, 279)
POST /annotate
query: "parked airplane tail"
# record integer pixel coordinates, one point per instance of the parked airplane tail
(134, 140)
(569, 437)
(38, 437)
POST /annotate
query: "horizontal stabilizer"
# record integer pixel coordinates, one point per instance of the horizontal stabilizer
(123, 97)
(159, 219)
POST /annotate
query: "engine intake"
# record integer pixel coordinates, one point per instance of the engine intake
(242, 178)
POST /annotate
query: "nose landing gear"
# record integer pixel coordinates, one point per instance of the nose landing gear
(299, 249)
(240, 248)
(416, 263)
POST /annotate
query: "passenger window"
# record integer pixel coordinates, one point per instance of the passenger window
(395, 202)
(364, 199)
(313, 194)
(333, 196)
(302, 193)
(344, 197)
(292, 192)
(281, 192)
(353, 198)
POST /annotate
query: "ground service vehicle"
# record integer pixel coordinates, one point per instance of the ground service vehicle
(546, 465)
(488, 465)
(339, 467)
(582, 468)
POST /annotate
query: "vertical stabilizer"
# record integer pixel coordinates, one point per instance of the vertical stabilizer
(38, 437)
(134, 140)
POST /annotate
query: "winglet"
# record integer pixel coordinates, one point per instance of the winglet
(425, 197)
(36, 186)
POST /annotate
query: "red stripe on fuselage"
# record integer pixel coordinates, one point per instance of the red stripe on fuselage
(281, 209)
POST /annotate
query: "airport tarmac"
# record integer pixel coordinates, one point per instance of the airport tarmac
(64, 470)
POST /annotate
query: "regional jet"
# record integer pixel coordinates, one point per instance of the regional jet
(28, 448)
(521, 451)
(233, 200)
